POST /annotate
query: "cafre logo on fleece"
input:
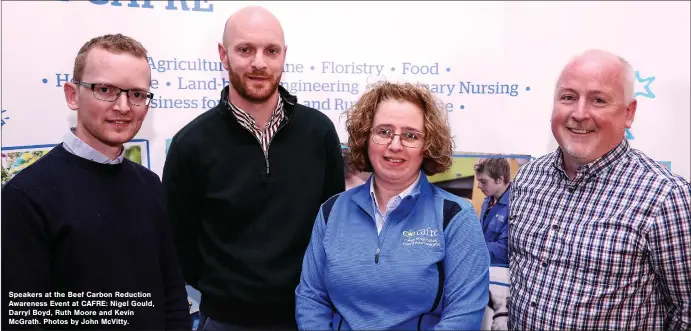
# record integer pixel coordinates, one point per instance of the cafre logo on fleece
(425, 236)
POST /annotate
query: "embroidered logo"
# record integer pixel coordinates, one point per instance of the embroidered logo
(425, 236)
(500, 218)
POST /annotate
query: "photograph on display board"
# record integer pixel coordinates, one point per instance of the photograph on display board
(18, 158)
(353, 177)
(137, 151)
(460, 179)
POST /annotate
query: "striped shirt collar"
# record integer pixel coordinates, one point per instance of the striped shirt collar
(246, 120)
(78, 147)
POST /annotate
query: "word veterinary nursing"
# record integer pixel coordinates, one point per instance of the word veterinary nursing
(370, 70)
(74, 308)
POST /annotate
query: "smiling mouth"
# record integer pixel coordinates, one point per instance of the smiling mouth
(118, 122)
(578, 131)
(394, 160)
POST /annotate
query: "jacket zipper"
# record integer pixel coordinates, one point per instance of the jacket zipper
(266, 154)
(268, 147)
(379, 241)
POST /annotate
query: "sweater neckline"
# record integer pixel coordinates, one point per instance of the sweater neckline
(101, 168)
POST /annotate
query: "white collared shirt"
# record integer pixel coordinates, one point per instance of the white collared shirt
(392, 204)
(78, 147)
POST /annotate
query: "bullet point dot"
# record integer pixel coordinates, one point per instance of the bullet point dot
(167, 83)
(462, 107)
(448, 69)
(44, 80)
(312, 68)
(393, 69)
(527, 88)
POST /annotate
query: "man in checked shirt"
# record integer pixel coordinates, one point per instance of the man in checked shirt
(599, 233)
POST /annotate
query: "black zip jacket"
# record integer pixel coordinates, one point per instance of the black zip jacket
(242, 222)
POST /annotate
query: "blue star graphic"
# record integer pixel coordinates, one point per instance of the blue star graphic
(629, 136)
(4, 117)
(648, 93)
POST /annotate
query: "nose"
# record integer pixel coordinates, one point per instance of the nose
(395, 144)
(580, 112)
(122, 104)
(259, 63)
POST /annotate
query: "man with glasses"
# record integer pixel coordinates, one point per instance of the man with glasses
(83, 227)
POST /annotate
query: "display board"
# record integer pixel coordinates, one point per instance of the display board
(494, 64)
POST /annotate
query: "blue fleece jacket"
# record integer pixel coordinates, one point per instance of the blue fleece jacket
(495, 226)
(428, 269)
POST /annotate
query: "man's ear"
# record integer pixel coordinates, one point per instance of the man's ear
(630, 113)
(71, 95)
(223, 55)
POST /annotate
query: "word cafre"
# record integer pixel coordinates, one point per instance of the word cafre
(57, 308)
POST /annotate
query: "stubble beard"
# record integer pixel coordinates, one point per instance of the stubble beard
(245, 90)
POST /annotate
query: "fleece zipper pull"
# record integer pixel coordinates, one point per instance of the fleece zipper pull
(376, 256)
(267, 166)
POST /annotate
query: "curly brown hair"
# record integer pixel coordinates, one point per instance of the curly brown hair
(115, 43)
(438, 143)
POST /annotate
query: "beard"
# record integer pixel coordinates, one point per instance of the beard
(245, 86)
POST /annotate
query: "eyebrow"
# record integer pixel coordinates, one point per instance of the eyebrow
(406, 128)
(143, 89)
(245, 43)
(568, 89)
(136, 88)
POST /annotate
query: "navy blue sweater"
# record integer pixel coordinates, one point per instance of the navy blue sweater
(73, 225)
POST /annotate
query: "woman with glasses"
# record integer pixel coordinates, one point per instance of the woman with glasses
(396, 252)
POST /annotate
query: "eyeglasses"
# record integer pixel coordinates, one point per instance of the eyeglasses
(111, 93)
(384, 136)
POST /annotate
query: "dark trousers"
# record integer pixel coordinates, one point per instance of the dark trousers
(209, 324)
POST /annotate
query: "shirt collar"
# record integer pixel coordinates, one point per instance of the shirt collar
(596, 166)
(504, 200)
(277, 115)
(78, 147)
(410, 190)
